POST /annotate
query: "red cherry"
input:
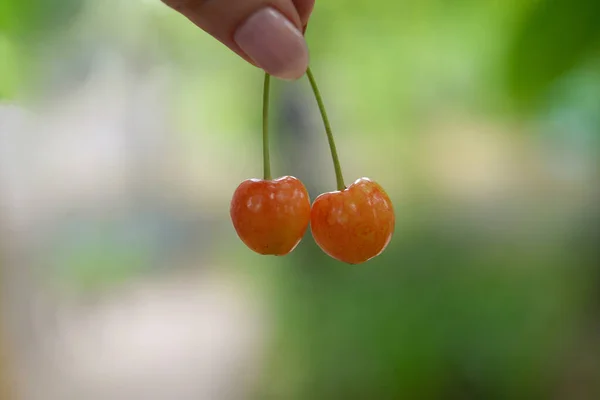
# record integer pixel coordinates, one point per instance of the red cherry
(353, 225)
(271, 216)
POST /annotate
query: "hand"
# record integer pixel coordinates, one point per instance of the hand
(266, 33)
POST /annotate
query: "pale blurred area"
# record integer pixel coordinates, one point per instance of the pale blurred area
(124, 131)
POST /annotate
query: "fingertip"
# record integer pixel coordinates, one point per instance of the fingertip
(274, 43)
(304, 9)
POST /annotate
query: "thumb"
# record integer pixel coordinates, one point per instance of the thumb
(267, 33)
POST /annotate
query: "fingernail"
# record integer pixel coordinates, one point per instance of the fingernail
(274, 44)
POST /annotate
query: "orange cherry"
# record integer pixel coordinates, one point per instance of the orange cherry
(353, 225)
(271, 216)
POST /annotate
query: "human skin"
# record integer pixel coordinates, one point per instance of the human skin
(266, 33)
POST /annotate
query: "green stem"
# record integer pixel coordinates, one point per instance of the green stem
(266, 154)
(334, 156)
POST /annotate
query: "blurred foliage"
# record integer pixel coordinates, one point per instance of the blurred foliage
(437, 316)
(25, 25)
(554, 37)
(31, 19)
(9, 69)
(448, 312)
(445, 312)
(544, 40)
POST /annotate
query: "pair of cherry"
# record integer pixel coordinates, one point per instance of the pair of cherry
(353, 224)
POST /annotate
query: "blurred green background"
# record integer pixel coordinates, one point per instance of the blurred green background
(480, 118)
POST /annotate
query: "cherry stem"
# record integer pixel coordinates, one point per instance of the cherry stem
(336, 161)
(266, 154)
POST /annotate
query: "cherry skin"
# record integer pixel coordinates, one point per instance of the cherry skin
(353, 225)
(271, 216)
